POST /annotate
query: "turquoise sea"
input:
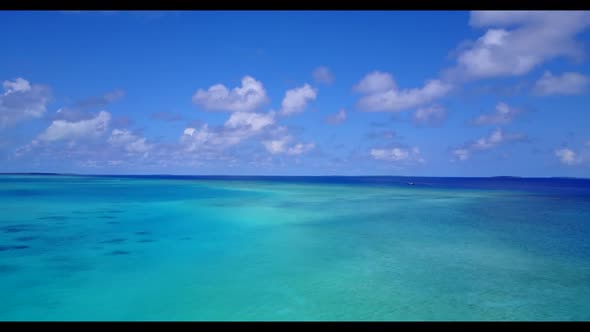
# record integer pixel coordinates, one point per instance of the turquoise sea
(293, 248)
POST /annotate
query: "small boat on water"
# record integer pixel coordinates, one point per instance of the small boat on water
(411, 183)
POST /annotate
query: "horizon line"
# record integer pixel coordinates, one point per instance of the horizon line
(294, 176)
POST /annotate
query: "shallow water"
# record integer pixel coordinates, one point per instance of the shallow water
(194, 248)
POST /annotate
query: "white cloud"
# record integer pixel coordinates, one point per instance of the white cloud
(337, 118)
(432, 115)
(300, 148)
(502, 115)
(381, 93)
(397, 154)
(496, 138)
(189, 131)
(62, 129)
(129, 141)
(375, 81)
(21, 100)
(250, 96)
(239, 127)
(281, 145)
(197, 138)
(518, 41)
(461, 154)
(210, 139)
(568, 83)
(323, 74)
(18, 85)
(489, 142)
(276, 146)
(296, 99)
(567, 156)
(254, 121)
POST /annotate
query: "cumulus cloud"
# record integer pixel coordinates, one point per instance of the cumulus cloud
(503, 114)
(461, 153)
(568, 83)
(209, 139)
(18, 85)
(129, 141)
(275, 146)
(75, 140)
(22, 100)
(496, 138)
(518, 41)
(203, 137)
(300, 148)
(90, 128)
(397, 154)
(374, 82)
(432, 115)
(381, 94)
(323, 74)
(567, 156)
(281, 145)
(239, 127)
(246, 98)
(250, 121)
(296, 99)
(337, 118)
(211, 142)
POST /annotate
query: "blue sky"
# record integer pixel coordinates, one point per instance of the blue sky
(437, 93)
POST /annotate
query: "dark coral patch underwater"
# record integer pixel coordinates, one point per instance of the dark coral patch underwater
(56, 218)
(13, 247)
(117, 240)
(17, 228)
(119, 252)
